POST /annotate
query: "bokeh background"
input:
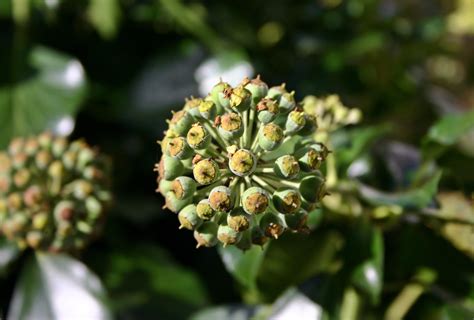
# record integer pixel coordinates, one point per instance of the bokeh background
(112, 70)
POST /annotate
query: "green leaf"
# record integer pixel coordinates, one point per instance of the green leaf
(350, 144)
(231, 312)
(418, 197)
(244, 266)
(368, 277)
(294, 258)
(52, 88)
(8, 253)
(293, 304)
(448, 131)
(105, 16)
(146, 277)
(53, 286)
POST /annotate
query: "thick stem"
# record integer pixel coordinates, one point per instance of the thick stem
(281, 183)
(264, 170)
(265, 185)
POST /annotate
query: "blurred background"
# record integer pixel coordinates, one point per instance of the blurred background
(111, 71)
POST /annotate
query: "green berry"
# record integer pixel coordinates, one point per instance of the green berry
(204, 210)
(220, 199)
(286, 167)
(270, 137)
(255, 200)
(242, 162)
(183, 187)
(286, 201)
(230, 126)
(238, 220)
(198, 137)
(206, 234)
(267, 110)
(227, 235)
(188, 217)
(240, 99)
(206, 171)
(272, 226)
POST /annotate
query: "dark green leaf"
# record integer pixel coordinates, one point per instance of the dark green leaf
(418, 197)
(295, 257)
(57, 287)
(8, 253)
(244, 266)
(52, 88)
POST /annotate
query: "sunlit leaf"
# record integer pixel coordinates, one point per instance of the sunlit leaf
(229, 312)
(52, 88)
(57, 287)
(105, 16)
(296, 305)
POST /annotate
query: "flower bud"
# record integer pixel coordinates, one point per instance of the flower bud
(257, 236)
(220, 94)
(257, 88)
(287, 102)
(312, 157)
(286, 201)
(238, 220)
(297, 221)
(276, 92)
(206, 171)
(270, 137)
(181, 122)
(64, 211)
(198, 137)
(255, 200)
(310, 125)
(227, 235)
(295, 121)
(183, 187)
(207, 109)
(174, 204)
(267, 110)
(188, 218)
(220, 199)
(192, 106)
(178, 148)
(242, 162)
(286, 167)
(312, 188)
(272, 225)
(230, 126)
(204, 210)
(240, 99)
(169, 168)
(206, 234)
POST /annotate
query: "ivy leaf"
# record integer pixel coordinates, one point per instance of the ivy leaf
(8, 253)
(418, 197)
(53, 286)
(105, 16)
(51, 87)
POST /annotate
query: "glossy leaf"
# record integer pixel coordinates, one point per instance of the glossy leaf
(230, 312)
(451, 128)
(57, 287)
(293, 304)
(418, 197)
(48, 92)
(8, 253)
(295, 257)
(244, 266)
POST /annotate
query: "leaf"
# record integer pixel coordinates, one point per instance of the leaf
(57, 287)
(418, 197)
(451, 129)
(244, 266)
(8, 253)
(146, 277)
(294, 258)
(368, 277)
(293, 304)
(105, 16)
(230, 312)
(350, 144)
(51, 89)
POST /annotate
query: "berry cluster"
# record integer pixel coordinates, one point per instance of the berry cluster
(52, 193)
(215, 174)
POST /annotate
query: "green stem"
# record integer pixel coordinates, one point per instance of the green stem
(263, 184)
(249, 132)
(350, 304)
(264, 170)
(213, 132)
(281, 183)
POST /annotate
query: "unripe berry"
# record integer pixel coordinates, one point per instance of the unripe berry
(183, 187)
(257, 88)
(295, 122)
(204, 210)
(286, 201)
(192, 106)
(181, 122)
(207, 109)
(227, 235)
(188, 218)
(174, 204)
(297, 221)
(230, 126)
(220, 199)
(242, 162)
(287, 102)
(276, 92)
(267, 110)
(286, 167)
(238, 220)
(169, 168)
(255, 200)
(206, 234)
(270, 137)
(271, 225)
(178, 148)
(312, 188)
(206, 171)
(312, 157)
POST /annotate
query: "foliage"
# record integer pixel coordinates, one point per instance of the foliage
(394, 238)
